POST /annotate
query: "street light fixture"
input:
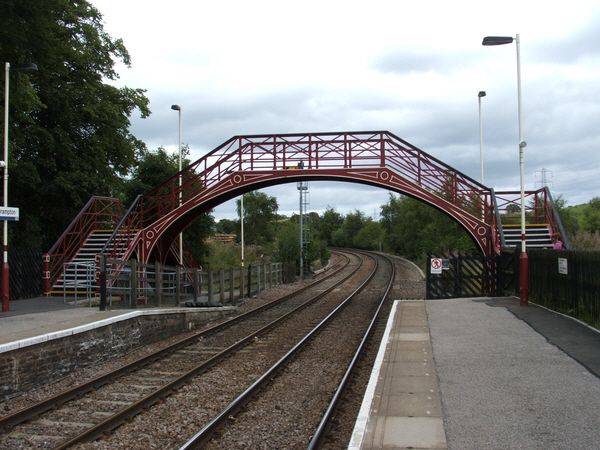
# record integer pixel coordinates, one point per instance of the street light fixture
(178, 109)
(479, 96)
(523, 260)
(29, 67)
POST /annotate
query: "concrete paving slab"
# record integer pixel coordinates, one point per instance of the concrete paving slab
(409, 432)
(402, 408)
(414, 404)
(407, 369)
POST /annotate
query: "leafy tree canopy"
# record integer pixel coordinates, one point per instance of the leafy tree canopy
(69, 134)
(260, 215)
(413, 229)
(591, 215)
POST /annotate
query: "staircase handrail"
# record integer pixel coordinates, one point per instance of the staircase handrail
(517, 203)
(557, 222)
(128, 217)
(77, 232)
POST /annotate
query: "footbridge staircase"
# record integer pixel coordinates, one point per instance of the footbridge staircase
(70, 266)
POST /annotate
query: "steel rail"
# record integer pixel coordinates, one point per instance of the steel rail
(57, 400)
(127, 413)
(320, 433)
(202, 436)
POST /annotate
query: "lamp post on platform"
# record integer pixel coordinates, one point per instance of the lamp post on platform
(242, 227)
(30, 67)
(178, 109)
(479, 96)
(523, 260)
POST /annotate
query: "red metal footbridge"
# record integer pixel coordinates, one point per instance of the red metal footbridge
(378, 158)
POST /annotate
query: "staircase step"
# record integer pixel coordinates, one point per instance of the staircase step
(536, 235)
(76, 270)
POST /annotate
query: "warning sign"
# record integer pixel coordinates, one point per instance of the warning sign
(563, 266)
(436, 266)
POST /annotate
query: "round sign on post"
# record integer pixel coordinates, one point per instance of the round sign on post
(436, 266)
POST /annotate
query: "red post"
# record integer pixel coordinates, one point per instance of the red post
(524, 279)
(5, 280)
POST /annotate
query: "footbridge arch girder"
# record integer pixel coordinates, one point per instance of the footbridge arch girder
(157, 238)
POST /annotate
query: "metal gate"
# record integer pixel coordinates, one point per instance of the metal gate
(470, 276)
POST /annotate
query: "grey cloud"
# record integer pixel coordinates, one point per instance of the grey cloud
(572, 48)
(407, 61)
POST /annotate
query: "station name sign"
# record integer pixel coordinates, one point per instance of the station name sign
(7, 213)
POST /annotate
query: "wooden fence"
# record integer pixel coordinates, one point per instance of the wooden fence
(129, 284)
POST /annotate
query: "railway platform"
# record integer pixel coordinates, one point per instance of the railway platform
(34, 317)
(40, 319)
(474, 373)
(482, 373)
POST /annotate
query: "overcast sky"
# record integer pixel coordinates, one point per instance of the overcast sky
(413, 68)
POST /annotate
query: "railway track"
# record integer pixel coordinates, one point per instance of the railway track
(302, 403)
(94, 408)
(288, 406)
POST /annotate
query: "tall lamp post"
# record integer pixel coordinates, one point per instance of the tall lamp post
(178, 109)
(30, 67)
(523, 261)
(242, 227)
(479, 96)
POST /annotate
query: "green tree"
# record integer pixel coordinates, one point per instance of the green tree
(413, 229)
(260, 218)
(567, 216)
(287, 248)
(353, 222)
(331, 221)
(591, 215)
(227, 226)
(152, 169)
(69, 135)
(370, 236)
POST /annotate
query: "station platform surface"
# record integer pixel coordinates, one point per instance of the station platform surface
(482, 373)
(34, 317)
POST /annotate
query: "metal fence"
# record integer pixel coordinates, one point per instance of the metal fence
(79, 281)
(566, 281)
(130, 284)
